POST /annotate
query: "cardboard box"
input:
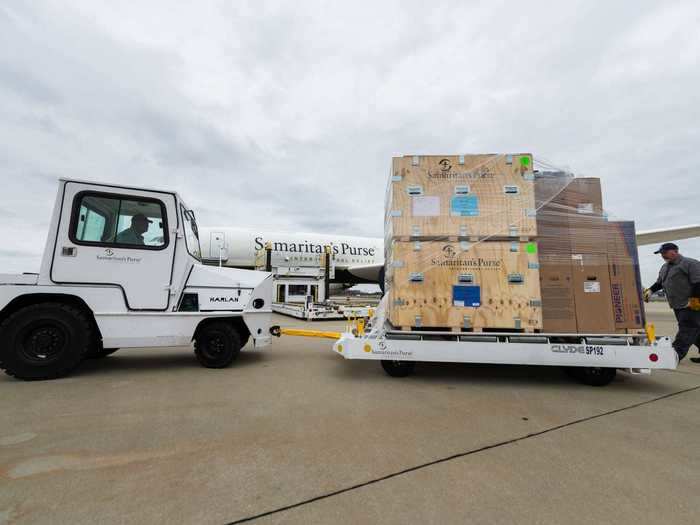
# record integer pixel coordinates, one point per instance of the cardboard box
(570, 217)
(625, 277)
(587, 222)
(584, 197)
(552, 213)
(465, 196)
(592, 294)
(570, 300)
(576, 292)
(557, 290)
(460, 285)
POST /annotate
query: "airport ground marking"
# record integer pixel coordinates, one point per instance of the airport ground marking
(458, 456)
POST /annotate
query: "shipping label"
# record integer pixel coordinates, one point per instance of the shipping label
(464, 206)
(426, 206)
(466, 295)
(591, 287)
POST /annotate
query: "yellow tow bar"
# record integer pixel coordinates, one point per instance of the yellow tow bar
(355, 326)
(300, 332)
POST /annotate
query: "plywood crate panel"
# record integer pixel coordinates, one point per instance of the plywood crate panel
(467, 196)
(462, 285)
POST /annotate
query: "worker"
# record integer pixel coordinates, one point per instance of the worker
(679, 278)
(134, 234)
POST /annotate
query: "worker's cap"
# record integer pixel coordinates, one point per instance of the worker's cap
(667, 246)
(140, 217)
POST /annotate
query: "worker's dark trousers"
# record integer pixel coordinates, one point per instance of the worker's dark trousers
(688, 331)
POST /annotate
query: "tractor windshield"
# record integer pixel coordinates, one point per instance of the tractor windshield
(191, 233)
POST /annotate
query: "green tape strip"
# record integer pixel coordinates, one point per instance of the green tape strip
(531, 247)
(525, 160)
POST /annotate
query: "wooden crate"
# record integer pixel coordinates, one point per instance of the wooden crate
(468, 196)
(458, 285)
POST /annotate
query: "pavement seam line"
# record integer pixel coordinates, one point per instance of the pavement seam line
(457, 456)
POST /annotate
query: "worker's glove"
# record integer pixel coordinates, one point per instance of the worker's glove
(646, 294)
(694, 303)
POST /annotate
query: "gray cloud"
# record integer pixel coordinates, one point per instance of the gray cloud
(24, 85)
(285, 117)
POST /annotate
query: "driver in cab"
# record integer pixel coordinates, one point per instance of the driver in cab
(134, 233)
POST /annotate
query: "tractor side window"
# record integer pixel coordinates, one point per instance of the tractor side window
(140, 224)
(93, 218)
(119, 221)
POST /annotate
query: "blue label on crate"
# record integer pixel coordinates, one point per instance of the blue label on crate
(464, 205)
(466, 295)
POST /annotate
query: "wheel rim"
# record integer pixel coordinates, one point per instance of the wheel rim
(215, 347)
(43, 341)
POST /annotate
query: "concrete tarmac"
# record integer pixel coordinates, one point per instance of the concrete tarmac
(296, 434)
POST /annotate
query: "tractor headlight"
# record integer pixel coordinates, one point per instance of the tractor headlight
(258, 303)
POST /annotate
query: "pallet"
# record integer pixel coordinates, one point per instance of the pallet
(467, 238)
(462, 330)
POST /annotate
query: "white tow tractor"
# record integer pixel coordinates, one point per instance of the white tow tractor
(122, 268)
(589, 358)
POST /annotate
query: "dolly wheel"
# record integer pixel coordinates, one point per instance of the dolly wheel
(593, 375)
(398, 368)
(217, 344)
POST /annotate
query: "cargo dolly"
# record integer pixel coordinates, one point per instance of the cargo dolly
(589, 358)
(311, 311)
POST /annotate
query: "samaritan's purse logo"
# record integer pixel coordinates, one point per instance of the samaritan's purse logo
(445, 165)
(482, 171)
(454, 258)
(108, 255)
(448, 251)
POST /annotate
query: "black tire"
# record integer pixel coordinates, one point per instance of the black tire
(398, 368)
(594, 375)
(574, 372)
(99, 353)
(44, 341)
(217, 344)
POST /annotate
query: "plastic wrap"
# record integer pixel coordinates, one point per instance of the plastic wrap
(495, 243)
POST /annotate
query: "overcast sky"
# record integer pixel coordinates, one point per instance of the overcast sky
(285, 115)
